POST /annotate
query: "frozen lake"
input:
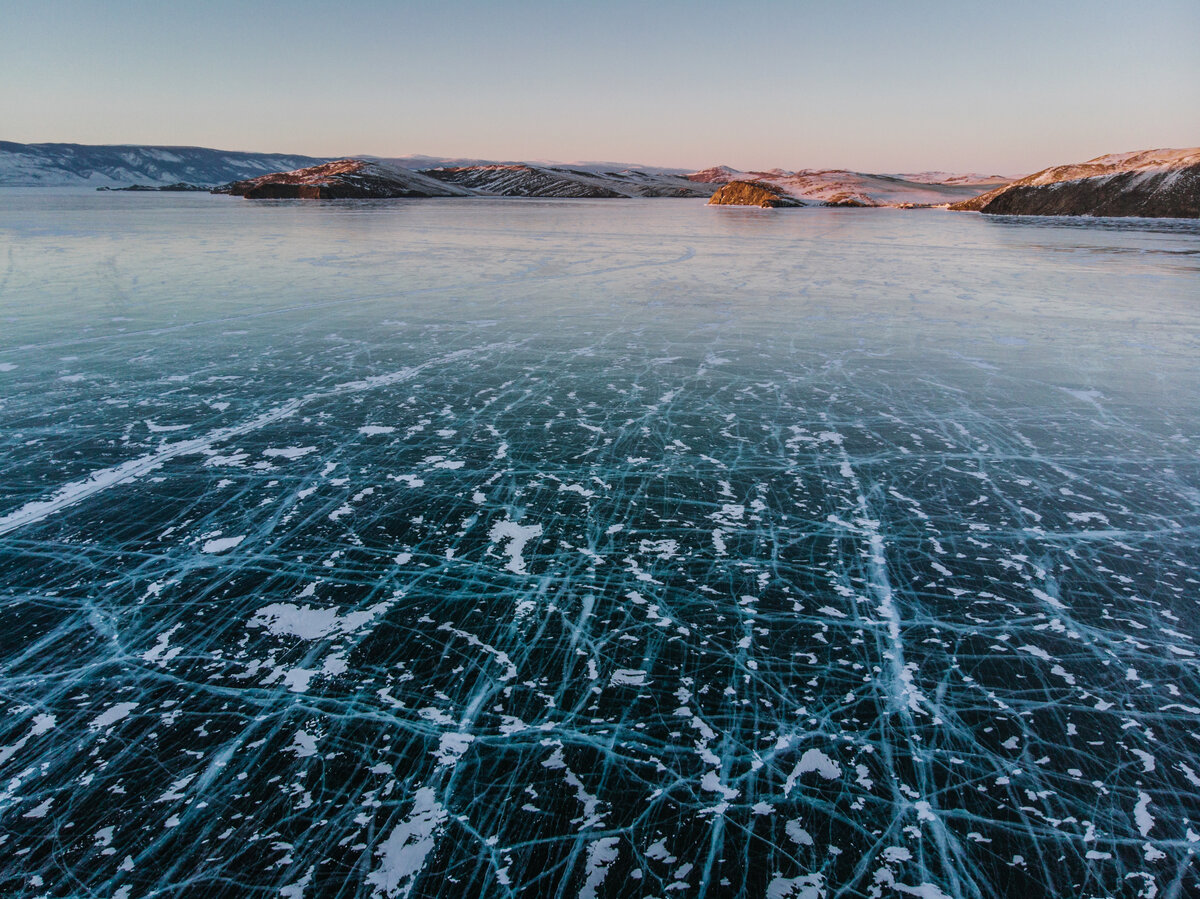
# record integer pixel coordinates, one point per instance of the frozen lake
(595, 548)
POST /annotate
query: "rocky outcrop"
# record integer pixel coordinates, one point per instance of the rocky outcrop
(1149, 183)
(752, 193)
(343, 179)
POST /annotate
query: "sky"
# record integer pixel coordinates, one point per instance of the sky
(861, 84)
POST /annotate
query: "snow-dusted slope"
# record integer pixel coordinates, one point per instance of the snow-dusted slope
(344, 179)
(1153, 183)
(524, 180)
(838, 187)
(63, 165)
(423, 163)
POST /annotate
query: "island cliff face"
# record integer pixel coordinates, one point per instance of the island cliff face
(752, 193)
(1149, 183)
(343, 179)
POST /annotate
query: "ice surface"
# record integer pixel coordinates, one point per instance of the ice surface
(579, 549)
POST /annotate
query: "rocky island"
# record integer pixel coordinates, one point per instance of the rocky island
(1149, 183)
(752, 193)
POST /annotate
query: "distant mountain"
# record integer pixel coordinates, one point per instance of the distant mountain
(523, 180)
(344, 179)
(64, 165)
(972, 178)
(718, 174)
(838, 187)
(1151, 183)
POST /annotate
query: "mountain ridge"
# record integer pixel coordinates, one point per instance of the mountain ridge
(123, 165)
(1156, 183)
(117, 165)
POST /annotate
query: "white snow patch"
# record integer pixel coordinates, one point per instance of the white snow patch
(297, 680)
(1147, 760)
(711, 782)
(798, 834)
(813, 760)
(1141, 814)
(601, 855)
(403, 853)
(516, 536)
(1048, 599)
(289, 452)
(310, 623)
(304, 745)
(452, 746)
(628, 677)
(41, 724)
(806, 886)
(113, 714)
(40, 810)
(162, 652)
(221, 544)
(296, 890)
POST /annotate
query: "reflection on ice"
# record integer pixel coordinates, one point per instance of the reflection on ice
(795, 558)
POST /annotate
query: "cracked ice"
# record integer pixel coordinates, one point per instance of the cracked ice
(381, 550)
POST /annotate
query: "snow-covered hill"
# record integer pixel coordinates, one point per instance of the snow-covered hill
(65, 165)
(423, 163)
(524, 180)
(839, 187)
(344, 179)
(1153, 183)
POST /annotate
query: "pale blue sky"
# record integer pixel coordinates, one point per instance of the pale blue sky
(875, 86)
